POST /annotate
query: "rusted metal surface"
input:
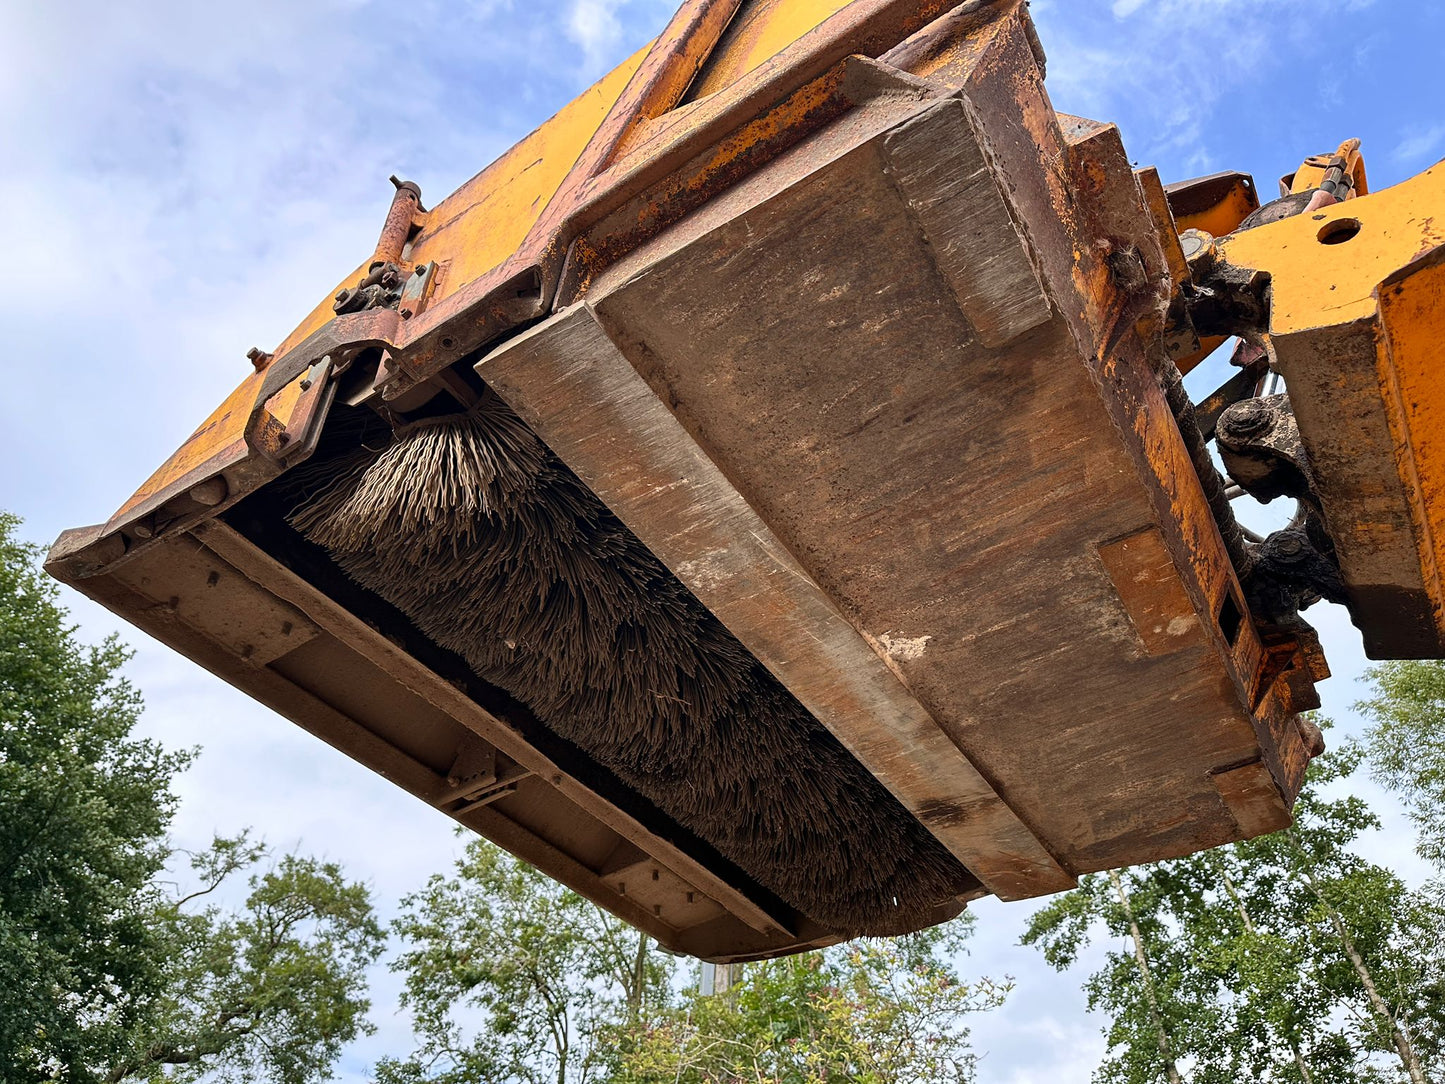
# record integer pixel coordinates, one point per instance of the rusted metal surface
(671, 65)
(731, 134)
(1180, 338)
(1216, 204)
(872, 349)
(1073, 182)
(1259, 442)
(402, 219)
(664, 487)
(379, 288)
(805, 475)
(762, 29)
(1354, 327)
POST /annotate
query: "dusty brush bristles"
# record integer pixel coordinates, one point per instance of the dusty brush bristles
(493, 548)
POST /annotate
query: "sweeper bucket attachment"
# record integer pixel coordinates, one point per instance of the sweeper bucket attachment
(762, 499)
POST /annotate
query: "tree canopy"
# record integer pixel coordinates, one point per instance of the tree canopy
(84, 809)
(1284, 958)
(546, 980)
(106, 972)
(873, 1011)
(1405, 742)
(510, 976)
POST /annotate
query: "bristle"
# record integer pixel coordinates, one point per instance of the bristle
(470, 526)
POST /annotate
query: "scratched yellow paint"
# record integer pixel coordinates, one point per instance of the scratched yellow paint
(1317, 284)
(1412, 372)
(760, 31)
(481, 224)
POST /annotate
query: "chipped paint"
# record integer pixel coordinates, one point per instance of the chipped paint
(904, 648)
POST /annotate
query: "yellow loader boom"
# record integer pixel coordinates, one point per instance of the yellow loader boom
(765, 498)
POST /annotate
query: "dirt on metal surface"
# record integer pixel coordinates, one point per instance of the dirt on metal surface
(496, 551)
(826, 549)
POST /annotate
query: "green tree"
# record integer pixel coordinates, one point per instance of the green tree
(272, 990)
(1285, 958)
(1273, 1022)
(1320, 955)
(1405, 743)
(105, 974)
(510, 976)
(1159, 1004)
(874, 1011)
(1359, 926)
(84, 808)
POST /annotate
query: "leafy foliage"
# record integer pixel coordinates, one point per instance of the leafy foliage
(552, 979)
(1158, 1003)
(869, 1011)
(272, 991)
(84, 808)
(509, 976)
(1406, 744)
(1284, 958)
(105, 975)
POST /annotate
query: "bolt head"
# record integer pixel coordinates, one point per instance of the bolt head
(1248, 419)
(1290, 547)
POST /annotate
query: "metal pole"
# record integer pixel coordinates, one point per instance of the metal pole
(716, 978)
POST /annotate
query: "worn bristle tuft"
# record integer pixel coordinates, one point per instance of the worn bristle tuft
(473, 529)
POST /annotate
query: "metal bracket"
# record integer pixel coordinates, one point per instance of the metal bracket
(1289, 574)
(1260, 444)
(338, 342)
(1253, 364)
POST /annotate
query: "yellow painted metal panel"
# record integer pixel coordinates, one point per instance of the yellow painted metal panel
(1322, 273)
(760, 30)
(1412, 376)
(476, 228)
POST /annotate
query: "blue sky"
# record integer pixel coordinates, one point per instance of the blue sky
(183, 181)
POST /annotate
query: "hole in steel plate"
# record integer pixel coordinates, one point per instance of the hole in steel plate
(1338, 231)
(1230, 618)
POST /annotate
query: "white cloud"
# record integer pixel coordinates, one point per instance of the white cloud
(593, 25)
(1420, 146)
(1187, 80)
